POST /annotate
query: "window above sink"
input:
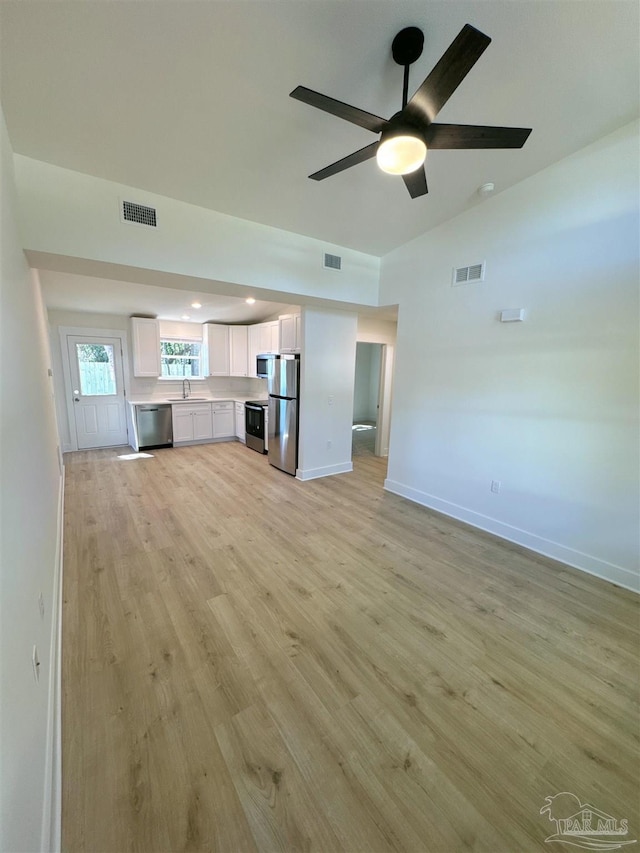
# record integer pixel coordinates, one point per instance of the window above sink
(180, 359)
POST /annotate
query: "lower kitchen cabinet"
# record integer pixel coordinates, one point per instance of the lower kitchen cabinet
(240, 425)
(195, 422)
(192, 423)
(223, 420)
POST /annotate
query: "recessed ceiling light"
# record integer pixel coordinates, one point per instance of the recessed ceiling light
(185, 317)
(196, 304)
(250, 300)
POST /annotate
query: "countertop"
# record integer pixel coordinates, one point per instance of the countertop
(205, 398)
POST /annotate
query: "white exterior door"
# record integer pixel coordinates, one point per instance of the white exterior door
(97, 386)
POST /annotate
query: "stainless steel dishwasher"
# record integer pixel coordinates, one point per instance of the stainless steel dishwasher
(155, 427)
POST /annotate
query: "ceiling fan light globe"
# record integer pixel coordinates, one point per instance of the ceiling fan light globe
(402, 154)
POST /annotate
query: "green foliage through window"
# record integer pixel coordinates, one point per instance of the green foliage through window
(180, 359)
(92, 352)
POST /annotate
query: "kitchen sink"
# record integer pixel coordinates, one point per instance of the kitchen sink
(188, 399)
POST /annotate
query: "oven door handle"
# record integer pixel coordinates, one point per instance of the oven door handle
(253, 408)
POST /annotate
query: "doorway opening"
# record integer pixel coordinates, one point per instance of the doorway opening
(366, 399)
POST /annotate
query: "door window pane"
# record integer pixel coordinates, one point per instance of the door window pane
(96, 368)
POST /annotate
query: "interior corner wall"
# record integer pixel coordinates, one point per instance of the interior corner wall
(547, 407)
(30, 495)
(327, 371)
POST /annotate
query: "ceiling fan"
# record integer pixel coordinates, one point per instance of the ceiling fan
(407, 135)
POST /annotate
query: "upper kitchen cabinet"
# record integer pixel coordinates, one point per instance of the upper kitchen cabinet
(271, 336)
(239, 350)
(145, 342)
(216, 338)
(290, 335)
(263, 338)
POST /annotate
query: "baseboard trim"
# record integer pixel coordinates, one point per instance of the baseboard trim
(51, 835)
(326, 471)
(576, 559)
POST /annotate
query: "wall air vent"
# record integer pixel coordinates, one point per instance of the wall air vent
(468, 275)
(139, 214)
(332, 262)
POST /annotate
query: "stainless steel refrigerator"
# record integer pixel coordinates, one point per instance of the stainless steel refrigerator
(283, 382)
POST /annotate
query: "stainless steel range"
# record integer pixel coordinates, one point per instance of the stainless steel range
(255, 425)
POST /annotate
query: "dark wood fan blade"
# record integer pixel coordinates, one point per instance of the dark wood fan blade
(416, 182)
(338, 108)
(475, 136)
(351, 160)
(456, 62)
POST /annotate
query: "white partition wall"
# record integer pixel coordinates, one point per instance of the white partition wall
(326, 404)
(546, 408)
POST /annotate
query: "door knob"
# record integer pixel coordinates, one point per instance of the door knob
(77, 399)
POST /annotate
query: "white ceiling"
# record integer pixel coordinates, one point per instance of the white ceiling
(69, 292)
(65, 291)
(190, 99)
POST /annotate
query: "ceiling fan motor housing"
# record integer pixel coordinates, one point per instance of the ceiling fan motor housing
(407, 45)
(400, 125)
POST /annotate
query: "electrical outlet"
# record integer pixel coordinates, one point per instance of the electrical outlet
(41, 605)
(36, 664)
(331, 399)
(495, 487)
(329, 445)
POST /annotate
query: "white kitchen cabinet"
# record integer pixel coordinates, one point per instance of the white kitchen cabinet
(145, 343)
(273, 336)
(254, 345)
(202, 422)
(223, 415)
(182, 424)
(240, 425)
(263, 338)
(270, 337)
(191, 422)
(298, 331)
(290, 326)
(239, 351)
(216, 339)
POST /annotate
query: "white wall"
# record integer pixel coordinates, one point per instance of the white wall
(326, 396)
(137, 388)
(29, 504)
(71, 214)
(374, 331)
(548, 407)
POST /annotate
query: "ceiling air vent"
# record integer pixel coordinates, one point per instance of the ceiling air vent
(332, 262)
(140, 214)
(468, 275)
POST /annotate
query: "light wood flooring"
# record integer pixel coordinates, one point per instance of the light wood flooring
(255, 663)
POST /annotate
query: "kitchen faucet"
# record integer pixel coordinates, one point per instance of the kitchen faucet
(186, 389)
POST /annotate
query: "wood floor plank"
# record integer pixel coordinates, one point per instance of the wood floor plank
(282, 809)
(255, 663)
